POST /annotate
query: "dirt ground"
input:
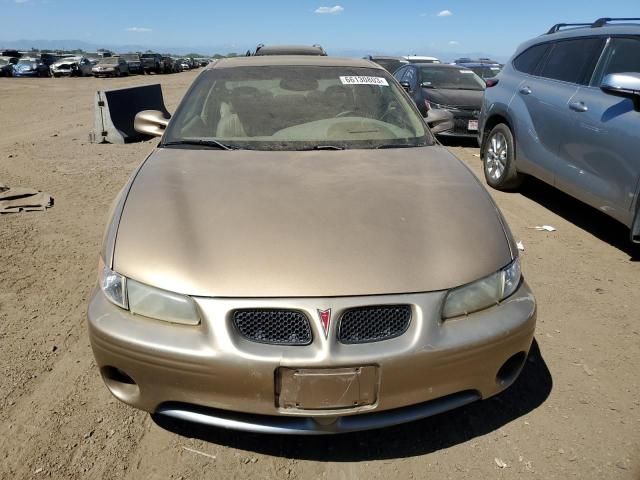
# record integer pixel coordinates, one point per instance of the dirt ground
(574, 412)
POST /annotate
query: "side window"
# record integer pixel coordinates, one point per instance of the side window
(400, 73)
(572, 60)
(411, 77)
(622, 55)
(528, 60)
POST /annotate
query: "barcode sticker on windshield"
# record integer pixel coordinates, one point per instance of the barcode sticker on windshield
(359, 80)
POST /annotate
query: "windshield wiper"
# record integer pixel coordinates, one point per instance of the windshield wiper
(200, 143)
(324, 147)
(398, 145)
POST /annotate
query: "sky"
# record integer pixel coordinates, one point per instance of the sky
(376, 26)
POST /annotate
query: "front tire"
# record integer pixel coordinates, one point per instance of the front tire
(499, 159)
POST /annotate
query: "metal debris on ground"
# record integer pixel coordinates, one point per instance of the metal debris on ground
(14, 200)
(543, 228)
(520, 246)
(500, 462)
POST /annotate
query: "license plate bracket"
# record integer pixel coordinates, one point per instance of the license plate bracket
(326, 388)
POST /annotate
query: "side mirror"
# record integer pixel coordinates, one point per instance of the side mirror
(406, 86)
(626, 85)
(150, 122)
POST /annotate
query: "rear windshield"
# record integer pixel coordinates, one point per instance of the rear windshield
(450, 78)
(486, 71)
(134, 57)
(298, 107)
(109, 61)
(390, 65)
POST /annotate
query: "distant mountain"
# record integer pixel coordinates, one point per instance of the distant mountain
(92, 47)
(223, 49)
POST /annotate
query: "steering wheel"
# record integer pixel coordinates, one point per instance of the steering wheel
(346, 113)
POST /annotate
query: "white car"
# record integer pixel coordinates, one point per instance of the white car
(421, 59)
(72, 66)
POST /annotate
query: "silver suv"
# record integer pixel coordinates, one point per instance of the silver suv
(566, 109)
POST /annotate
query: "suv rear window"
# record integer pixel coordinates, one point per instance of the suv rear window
(528, 60)
(571, 60)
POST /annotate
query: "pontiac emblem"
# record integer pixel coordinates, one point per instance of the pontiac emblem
(325, 320)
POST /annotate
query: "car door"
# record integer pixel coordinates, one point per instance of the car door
(546, 97)
(601, 148)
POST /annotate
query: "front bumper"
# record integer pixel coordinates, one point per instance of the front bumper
(452, 123)
(211, 375)
(64, 72)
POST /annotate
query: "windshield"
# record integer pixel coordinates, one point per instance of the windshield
(131, 57)
(30, 63)
(450, 78)
(109, 61)
(298, 107)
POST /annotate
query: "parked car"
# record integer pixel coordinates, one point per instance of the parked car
(6, 68)
(111, 67)
(390, 64)
(134, 63)
(167, 65)
(72, 67)
(448, 95)
(291, 306)
(177, 65)
(566, 109)
(184, 64)
(483, 67)
(151, 62)
(30, 67)
(420, 59)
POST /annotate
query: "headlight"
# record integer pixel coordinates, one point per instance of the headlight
(483, 293)
(113, 285)
(161, 304)
(147, 301)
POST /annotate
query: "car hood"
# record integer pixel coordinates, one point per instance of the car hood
(453, 97)
(64, 64)
(307, 224)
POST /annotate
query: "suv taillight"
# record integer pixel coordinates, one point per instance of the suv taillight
(491, 82)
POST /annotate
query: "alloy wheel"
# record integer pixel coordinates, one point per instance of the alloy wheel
(496, 158)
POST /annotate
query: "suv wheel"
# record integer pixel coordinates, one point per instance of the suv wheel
(500, 160)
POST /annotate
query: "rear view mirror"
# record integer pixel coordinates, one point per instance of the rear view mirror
(625, 85)
(406, 86)
(150, 122)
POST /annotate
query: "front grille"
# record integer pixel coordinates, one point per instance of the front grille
(278, 327)
(374, 324)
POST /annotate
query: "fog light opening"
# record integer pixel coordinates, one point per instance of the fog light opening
(117, 375)
(511, 369)
(120, 384)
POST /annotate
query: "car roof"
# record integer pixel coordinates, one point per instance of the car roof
(302, 60)
(437, 65)
(289, 50)
(477, 64)
(385, 57)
